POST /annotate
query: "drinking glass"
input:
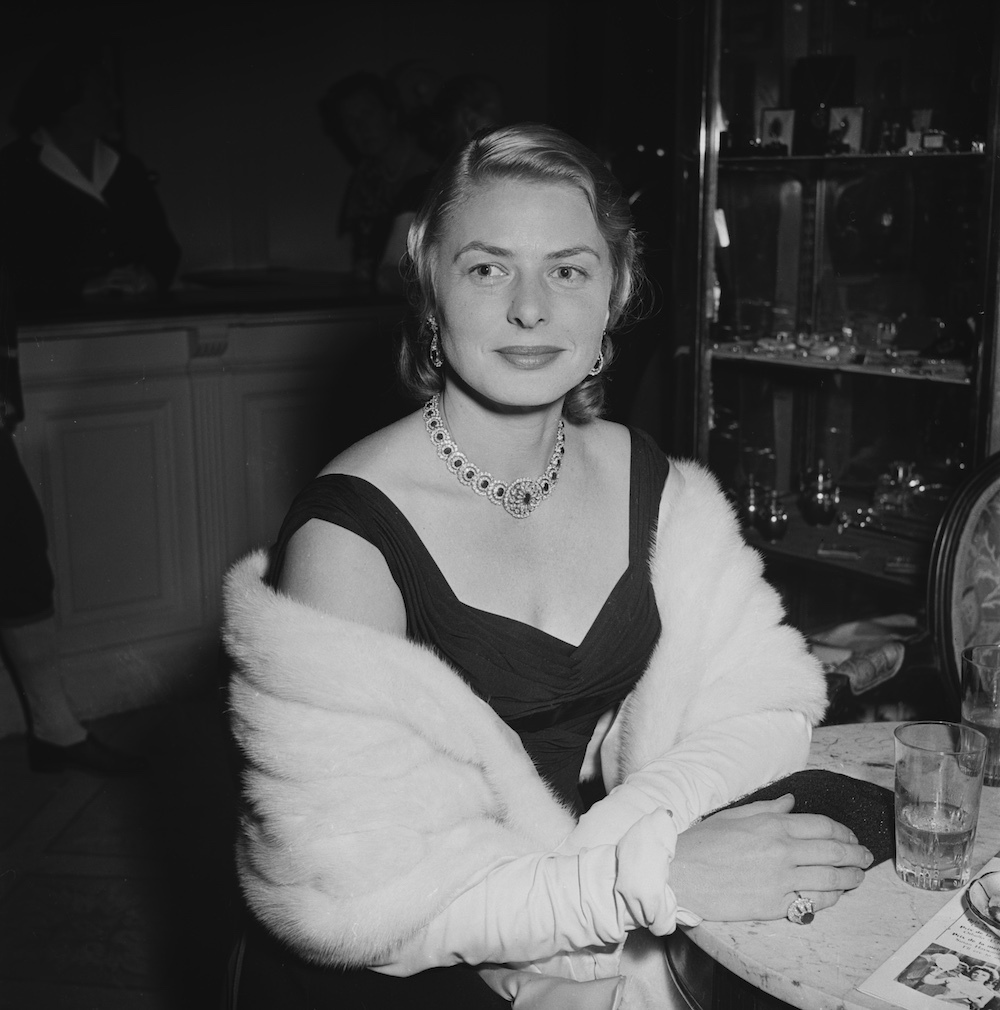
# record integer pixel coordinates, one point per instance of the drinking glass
(981, 702)
(939, 779)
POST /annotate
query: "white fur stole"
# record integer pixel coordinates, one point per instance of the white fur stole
(378, 786)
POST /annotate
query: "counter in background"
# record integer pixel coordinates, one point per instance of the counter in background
(163, 448)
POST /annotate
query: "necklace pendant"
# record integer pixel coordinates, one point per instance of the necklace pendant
(522, 497)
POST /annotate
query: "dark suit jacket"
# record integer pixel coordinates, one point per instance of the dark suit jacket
(54, 238)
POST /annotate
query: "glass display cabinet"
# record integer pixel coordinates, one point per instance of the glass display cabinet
(843, 344)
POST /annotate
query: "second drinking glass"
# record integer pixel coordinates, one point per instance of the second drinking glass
(981, 701)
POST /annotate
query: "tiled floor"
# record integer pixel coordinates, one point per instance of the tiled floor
(117, 894)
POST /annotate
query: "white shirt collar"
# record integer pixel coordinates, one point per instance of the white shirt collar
(56, 161)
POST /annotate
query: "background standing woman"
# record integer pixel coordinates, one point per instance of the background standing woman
(79, 215)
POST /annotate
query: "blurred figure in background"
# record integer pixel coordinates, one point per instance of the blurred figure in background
(56, 737)
(359, 114)
(415, 84)
(463, 106)
(79, 216)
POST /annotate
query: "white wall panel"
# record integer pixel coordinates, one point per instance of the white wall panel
(161, 451)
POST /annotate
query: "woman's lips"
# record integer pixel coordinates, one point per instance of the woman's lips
(529, 357)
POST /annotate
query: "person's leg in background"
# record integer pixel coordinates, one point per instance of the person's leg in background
(56, 737)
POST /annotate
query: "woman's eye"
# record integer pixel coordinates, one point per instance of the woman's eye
(487, 270)
(570, 273)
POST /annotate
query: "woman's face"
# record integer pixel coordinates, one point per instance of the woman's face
(522, 278)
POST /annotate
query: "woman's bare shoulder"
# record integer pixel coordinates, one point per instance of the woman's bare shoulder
(336, 570)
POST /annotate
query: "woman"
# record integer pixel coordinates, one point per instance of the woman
(444, 659)
(79, 216)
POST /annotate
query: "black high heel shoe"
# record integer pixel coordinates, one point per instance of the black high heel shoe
(90, 754)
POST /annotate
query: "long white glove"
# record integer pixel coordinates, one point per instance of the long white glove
(540, 905)
(706, 771)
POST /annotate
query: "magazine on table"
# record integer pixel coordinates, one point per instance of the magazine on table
(953, 960)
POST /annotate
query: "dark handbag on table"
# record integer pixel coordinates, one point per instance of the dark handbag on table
(864, 807)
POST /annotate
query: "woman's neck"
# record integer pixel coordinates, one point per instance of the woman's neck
(507, 443)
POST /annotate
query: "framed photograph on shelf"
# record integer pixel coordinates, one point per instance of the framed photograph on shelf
(776, 127)
(844, 130)
(920, 121)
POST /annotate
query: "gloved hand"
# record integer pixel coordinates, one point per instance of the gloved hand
(537, 906)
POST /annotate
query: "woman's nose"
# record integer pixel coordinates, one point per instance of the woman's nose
(528, 305)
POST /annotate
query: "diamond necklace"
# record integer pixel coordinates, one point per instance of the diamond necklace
(519, 497)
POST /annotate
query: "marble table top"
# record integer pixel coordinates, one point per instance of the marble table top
(817, 967)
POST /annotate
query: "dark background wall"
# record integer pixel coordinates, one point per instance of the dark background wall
(220, 101)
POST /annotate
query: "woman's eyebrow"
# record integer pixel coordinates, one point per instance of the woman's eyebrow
(477, 246)
(573, 251)
(499, 251)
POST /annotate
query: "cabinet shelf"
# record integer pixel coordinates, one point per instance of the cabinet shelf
(881, 559)
(819, 163)
(888, 258)
(920, 369)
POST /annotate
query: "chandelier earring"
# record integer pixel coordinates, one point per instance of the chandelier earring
(437, 359)
(599, 364)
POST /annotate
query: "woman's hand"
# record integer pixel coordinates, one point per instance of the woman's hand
(749, 862)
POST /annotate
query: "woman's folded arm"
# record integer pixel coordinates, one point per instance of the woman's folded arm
(536, 906)
(702, 772)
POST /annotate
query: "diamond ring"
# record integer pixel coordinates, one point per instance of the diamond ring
(801, 910)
